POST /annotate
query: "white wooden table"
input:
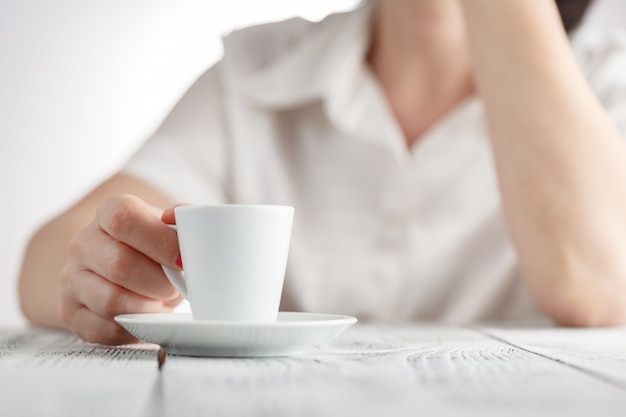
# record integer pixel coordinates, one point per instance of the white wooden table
(409, 370)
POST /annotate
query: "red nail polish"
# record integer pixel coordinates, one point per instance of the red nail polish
(179, 261)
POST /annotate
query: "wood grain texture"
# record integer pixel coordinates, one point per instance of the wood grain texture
(600, 352)
(370, 370)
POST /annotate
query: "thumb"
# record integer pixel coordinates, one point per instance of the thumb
(168, 216)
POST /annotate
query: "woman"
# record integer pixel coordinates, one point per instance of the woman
(447, 160)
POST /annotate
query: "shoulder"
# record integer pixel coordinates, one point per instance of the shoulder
(247, 52)
(255, 48)
(283, 63)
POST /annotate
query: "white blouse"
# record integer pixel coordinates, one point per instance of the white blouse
(292, 115)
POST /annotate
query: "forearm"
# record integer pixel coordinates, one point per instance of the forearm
(39, 283)
(560, 161)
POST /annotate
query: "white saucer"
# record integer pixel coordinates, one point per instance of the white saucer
(291, 334)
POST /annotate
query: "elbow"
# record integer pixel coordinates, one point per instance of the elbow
(587, 303)
(589, 316)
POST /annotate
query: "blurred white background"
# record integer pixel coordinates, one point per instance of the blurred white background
(82, 83)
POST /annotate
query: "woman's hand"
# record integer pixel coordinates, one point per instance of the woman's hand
(114, 267)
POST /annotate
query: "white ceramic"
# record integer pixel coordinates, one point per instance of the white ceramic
(290, 334)
(234, 259)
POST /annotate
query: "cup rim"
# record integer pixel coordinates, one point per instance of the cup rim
(237, 206)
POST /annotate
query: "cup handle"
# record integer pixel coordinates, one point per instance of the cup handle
(177, 278)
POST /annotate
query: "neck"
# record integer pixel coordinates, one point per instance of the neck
(420, 57)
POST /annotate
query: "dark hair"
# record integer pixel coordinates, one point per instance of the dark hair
(572, 12)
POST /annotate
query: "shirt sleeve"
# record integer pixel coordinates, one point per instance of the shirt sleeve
(186, 157)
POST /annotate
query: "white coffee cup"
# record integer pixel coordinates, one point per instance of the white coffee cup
(234, 259)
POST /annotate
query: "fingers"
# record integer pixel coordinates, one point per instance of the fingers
(170, 305)
(95, 329)
(128, 219)
(107, 299)
(168, 216)
(89, 304)
(122, 265)
(114, 267)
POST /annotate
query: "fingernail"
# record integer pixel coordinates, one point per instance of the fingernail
(179, 261)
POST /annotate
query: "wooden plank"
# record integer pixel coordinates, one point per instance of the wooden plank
(598, 351)
(369, 371)
(47, 373)
(408, 370)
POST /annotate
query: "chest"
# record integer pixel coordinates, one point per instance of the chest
(366, 216)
